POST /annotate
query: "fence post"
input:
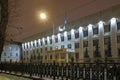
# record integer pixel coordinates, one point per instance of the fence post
(53, 69)
(84, 70)
(72, 70)
(105, 71)
(61, 71)
(91, 71)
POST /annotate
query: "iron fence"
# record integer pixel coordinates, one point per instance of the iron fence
(65, 71)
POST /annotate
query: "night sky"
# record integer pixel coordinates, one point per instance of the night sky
(24, 18)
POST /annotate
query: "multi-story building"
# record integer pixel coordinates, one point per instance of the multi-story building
(89, 42)
(11, 52)
(98, 41)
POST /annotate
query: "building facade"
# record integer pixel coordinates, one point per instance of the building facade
(95, 42)
(11, 52)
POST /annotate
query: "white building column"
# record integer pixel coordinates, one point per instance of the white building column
(101, 38)
(113, 25)
(90, 42)
(81, 53)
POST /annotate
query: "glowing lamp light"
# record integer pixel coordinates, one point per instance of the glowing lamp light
(43, 16)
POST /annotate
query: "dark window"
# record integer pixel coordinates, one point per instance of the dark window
(106, 28)
(50, 48)
(37, 44)
(77, 45)
(118, 52)
(62, 57)
(30, 45)
(107, 53)
(10, 54)
(41, 50)
(4, 54)
(85, 33)
(62, 46)
(69, 36)
(24, 47)
(33, 44)
(62, 38)
(37, 50)
(118, 39)
(69, 46)
(11, 60)
(95, 42)
(50, 41)
(50, 56)
(95, 31)
(106, 40)
(77, 55)
(56, 40)
(77, 35)
(24, 52)
(27, 46)
(86, 55)
(85, 43)
(16, 54)
(41, 43)
(33, 51)
(16, 48)
(45, 42)
(45, 56)
(45, 48)
(27, 52)
(118, 25)
(5, 60)
(41, 57)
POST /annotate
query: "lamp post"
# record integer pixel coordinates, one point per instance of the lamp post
(43, 16)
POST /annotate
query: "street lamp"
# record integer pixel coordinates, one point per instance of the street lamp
(43, 16)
